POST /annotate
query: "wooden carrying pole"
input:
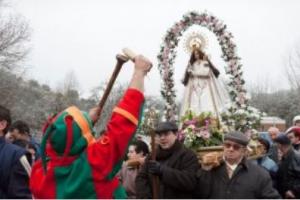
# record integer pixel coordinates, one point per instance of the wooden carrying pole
(155, 180)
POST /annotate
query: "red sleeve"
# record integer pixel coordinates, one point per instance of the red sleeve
(112, 146)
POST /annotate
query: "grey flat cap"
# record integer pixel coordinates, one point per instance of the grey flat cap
(166, 126)
(237, 137)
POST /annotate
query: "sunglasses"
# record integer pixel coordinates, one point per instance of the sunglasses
(235, 147)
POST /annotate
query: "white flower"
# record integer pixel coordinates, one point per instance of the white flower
(243, 122)
(240, 111)
(191, 126)
(185, 131)
(176, 117)
(228, 105)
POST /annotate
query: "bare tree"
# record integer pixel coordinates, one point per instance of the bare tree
(14, 36)
(66, 93)
(70, 82)
(293, 67)
(114, 96)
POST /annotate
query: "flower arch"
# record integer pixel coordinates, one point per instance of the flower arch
(233, 69)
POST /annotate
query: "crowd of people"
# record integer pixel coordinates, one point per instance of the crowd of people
(71, 163)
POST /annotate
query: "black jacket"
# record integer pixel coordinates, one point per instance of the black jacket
(14, 180)
(248, 181)
(178, 179)
(289, 173)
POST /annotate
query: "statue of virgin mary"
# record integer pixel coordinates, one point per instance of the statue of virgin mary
(204, 92)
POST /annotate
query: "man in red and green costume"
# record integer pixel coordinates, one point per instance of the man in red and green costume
(76, 165)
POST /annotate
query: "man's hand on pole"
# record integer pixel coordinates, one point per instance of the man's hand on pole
(93, 113)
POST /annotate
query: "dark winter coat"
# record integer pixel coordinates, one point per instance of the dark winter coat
(289, 174)
(248, 181)
(178, 179)
(296, 147)
(14, 180)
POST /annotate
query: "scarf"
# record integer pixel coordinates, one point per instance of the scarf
(163, 154)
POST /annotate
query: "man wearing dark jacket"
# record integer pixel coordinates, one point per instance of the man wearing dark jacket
(14, 167)
(293, 134)
(234, 177)
(20, 132)
(175, 166)
(288, 175)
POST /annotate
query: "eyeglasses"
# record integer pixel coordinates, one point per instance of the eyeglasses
(235, 147)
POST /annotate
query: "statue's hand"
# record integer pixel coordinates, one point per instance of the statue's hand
(189, 70)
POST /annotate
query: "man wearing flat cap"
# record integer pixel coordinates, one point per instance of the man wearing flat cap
(293, 134)
(175, 166)
(235, 177)
(288, 175)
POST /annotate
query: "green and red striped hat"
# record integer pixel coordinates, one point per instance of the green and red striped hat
(68, 133)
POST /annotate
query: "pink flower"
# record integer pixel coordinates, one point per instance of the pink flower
(190, 122)
(241, 98)
(207, 122)
(165, 63)
(205, 134)
(180, 135)
(176, 29)
(198, 132)
(191, 126)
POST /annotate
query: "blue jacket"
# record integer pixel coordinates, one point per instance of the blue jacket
(268, 164)
(14, 179)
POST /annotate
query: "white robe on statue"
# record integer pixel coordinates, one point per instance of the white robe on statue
(203, 92)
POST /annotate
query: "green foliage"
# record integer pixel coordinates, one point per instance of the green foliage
(284, 103)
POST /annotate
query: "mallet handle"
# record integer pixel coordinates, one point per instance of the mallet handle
(121, 59)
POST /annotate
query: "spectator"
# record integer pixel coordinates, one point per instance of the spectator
(288, 176)
(20, 131)
(293, 134)
(136, 157)
(273, 133)
(15, 169)
(265, 161)
(296, 121)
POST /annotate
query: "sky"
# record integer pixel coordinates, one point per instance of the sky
(84, 37)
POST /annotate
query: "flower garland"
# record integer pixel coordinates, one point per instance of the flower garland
(167, 56)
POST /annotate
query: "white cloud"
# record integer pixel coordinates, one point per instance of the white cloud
(85, 36)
